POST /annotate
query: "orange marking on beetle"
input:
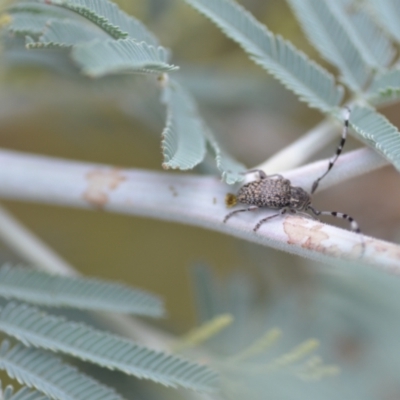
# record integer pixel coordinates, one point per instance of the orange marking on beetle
(230, 200)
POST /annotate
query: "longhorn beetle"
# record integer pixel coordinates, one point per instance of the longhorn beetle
(276, 192)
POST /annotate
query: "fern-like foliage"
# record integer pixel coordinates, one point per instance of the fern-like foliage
(231, 169)
(22, 394)
(183, 141)
(27, 23)
(99, 58)
(388, 14)
(341, 39)
(132, 49)
(328, 35)
(38, 329)
(378, 132)
(185, 136)
(104, 15)
(84, 293)
(385, 87)
(371, 42)
(48, 374)
(110, 18)
(293, 68)
(88, 11)
(59, 33)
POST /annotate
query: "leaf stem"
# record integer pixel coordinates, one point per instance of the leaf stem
(300, 150)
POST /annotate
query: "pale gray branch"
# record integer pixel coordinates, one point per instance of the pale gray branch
(195, 200)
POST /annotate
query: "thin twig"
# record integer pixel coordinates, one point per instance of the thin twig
(302, 149)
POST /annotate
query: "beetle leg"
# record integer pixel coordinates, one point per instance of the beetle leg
(257, 227)
(251, 208)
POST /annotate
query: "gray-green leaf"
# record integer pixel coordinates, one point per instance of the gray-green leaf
(22, 394)
(326, 32)
(38, 329)
(28, 23)
(66, 33)
(387, 12)
(378, 132)
(99, 58)
(183, 141)
(293, 68)
(47, 373)
(385, 87)
(232, 170)
(373, 45)
(110, 18)
(83, 293)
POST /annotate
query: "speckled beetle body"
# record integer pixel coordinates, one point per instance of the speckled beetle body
(271, 193)
(276, 192)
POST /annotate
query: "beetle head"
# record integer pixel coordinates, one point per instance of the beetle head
(299, 199)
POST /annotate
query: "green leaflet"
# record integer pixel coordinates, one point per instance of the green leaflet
(185, 136)
(326, 32)
(294, 69)
(38, 329)
(378, 132)
(31, 16)
(66, 33)
(99, 58)
(83, 293)
(388, 14)
(96, 12)
(232, 170)
(22, 394)
(105, 14)
(110, 18)
(385, 87)
(183, 141)
(373, 45)
(48, 374)
(26, 23)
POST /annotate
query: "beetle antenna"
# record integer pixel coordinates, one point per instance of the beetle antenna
(338, 150)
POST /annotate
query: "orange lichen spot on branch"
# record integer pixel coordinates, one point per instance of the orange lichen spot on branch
(300, 233)
(100, 183)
